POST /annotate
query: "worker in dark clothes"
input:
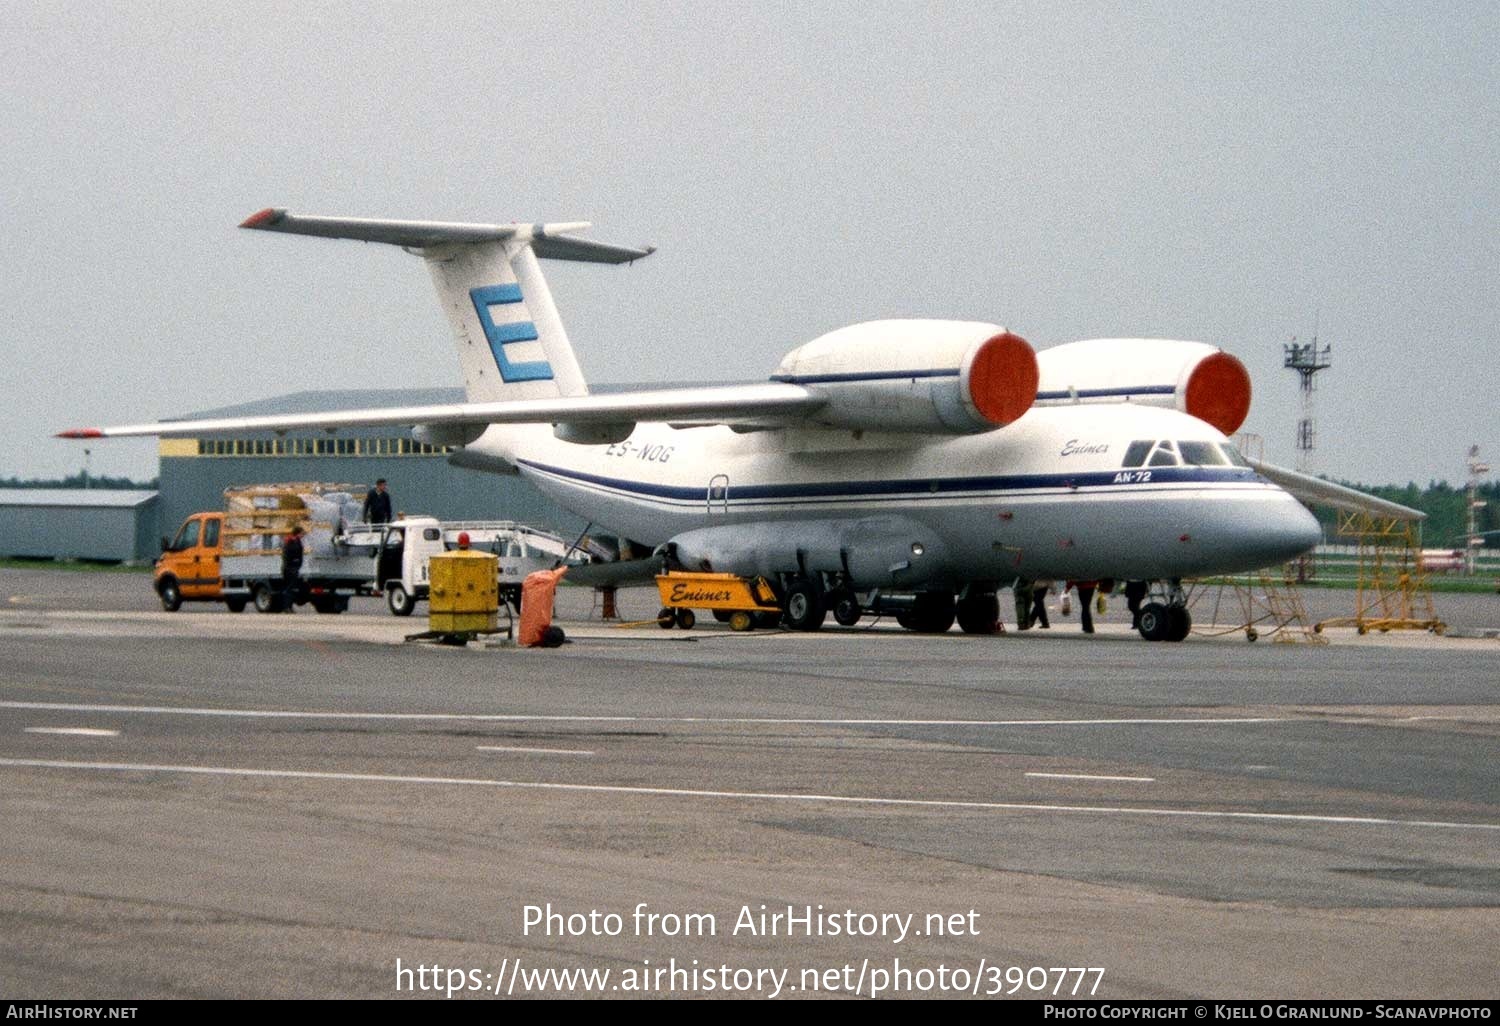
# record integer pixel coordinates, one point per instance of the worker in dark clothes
(1135, 594)
(1022, 591)
(1086, 591)
(1039, 604)
(291, 567)
(378, 505)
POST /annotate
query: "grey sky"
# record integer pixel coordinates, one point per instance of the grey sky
(1186, 170)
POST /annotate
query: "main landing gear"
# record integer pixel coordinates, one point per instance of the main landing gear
(808, 597)
(933, 612)
(805, 604)
(807, 600)
(1165, 617)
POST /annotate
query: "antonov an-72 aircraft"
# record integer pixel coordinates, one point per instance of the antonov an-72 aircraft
(912, 466)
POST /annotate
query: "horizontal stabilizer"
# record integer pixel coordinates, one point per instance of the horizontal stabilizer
(1325, 493)
(732, 404)
(549, 241)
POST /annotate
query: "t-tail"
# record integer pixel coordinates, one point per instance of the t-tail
(511, 342)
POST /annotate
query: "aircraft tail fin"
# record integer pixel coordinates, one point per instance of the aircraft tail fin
(511, 342)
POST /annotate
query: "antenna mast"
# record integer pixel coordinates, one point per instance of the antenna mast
(1306, 359)
(1474, 540)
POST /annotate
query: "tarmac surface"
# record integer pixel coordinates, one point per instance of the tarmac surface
(205, 804)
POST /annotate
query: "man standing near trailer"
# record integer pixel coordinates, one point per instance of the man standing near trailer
(291, 568)
(378, 505)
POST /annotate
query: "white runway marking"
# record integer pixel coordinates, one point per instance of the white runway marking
(78, 731)
(294, 714)
(1088, 776)
(532, 751)
(764, 796)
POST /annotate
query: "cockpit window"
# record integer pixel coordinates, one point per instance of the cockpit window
(1135, 456)
(1164, 456)
(1234, 456)
(1201, 454)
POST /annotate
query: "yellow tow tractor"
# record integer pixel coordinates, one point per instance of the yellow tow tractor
(738, 601)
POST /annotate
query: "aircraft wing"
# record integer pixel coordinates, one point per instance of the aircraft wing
(1325, 493)
(746, 406)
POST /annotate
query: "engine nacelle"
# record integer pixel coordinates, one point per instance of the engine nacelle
(1193, 377)
(952, 377)
(873, 552)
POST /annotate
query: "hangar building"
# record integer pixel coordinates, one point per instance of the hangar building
(79, 523)
(196, 471)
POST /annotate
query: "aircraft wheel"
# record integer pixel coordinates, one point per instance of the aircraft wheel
(979, 614)
(171, 594)
(1179, 623)
(741, 621)
(1155, 622)
(933, 613)
(685, 619)
(399, 600)
(666, 619)
(805, 609)
(846, 610)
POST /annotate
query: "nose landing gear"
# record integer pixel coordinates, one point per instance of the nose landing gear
(1165, 617)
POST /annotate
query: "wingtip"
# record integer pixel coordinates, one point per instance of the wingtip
(80, 433)
(261, 218)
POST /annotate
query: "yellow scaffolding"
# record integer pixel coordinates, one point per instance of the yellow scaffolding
(1266, 602)
(1391, 593)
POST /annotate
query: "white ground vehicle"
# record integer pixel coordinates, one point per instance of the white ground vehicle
(401, 551)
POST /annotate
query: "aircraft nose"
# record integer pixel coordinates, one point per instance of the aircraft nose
(1293, 530)
(1268, 530)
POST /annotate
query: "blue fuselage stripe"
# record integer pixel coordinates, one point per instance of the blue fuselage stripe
(950, 486)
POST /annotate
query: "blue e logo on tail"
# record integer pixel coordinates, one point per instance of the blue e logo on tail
(502, 335)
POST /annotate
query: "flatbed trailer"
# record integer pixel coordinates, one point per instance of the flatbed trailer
(234, 556)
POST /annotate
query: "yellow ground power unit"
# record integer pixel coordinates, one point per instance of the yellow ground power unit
(464, 594)
(741, 598)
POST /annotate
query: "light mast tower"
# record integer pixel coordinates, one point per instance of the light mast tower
(1306, 359)
(1473, 540)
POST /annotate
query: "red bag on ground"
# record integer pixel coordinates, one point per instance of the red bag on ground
(537, 592)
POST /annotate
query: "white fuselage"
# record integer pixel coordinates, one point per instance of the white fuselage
(1045, 497)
